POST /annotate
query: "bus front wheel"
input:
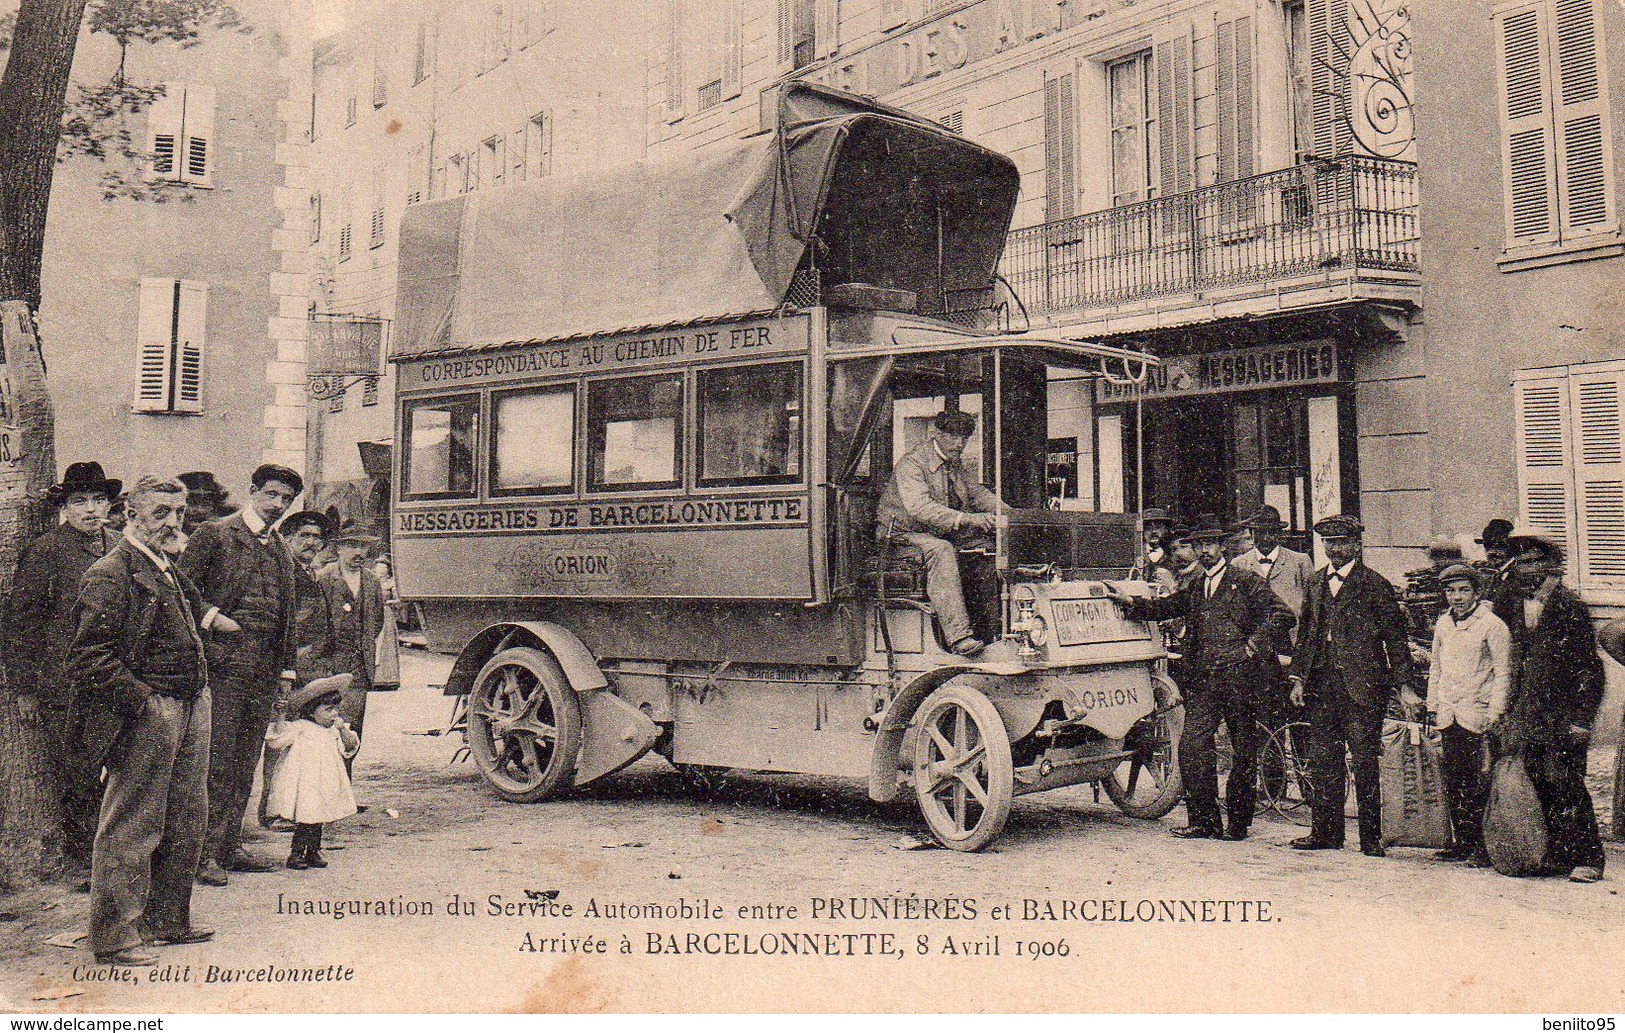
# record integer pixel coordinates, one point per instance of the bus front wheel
(963, 775)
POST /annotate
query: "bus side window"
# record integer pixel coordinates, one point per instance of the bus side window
(441, 435)
(533, 441)
(635, 433)
(750, 424)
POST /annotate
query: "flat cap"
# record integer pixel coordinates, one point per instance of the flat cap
(1340, 526)
(1459, 572)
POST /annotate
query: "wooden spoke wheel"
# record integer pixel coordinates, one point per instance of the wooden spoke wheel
(524, 725)
(1148, 785)
(963, 775)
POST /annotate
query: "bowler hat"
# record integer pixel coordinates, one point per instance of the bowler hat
(1208, 528)
(1496, 530)
(1265, 518)
(1459, 572)
(202, 483)
(959, 424)
(1340, 526)
(85, 477)
(1178, 534)
(1524, 537)
(307, 518)
(315, 689)
(352, 533)
(1156, 515)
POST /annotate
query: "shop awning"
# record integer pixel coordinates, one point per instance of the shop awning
(891, 201)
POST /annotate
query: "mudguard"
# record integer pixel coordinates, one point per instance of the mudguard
(580, 666)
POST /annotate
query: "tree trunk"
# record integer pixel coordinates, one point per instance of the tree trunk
(30, 826)
(33, 89)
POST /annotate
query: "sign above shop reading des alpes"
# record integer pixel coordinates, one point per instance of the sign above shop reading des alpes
(1239, 369)
(968, 35)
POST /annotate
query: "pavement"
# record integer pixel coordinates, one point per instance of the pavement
(798, 893)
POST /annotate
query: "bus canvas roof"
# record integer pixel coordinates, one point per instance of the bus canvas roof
(895, 202)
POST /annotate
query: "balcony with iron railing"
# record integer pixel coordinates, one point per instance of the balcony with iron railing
(1339, 222)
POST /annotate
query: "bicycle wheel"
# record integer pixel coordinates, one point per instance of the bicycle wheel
(1285, 785)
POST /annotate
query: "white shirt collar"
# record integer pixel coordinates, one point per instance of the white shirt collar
(1271, 556)
(1479, 607)
(1216, 572)
(1343, 571)
(253, 521)
(158, 560)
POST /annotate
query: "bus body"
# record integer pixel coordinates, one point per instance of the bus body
(643, 423)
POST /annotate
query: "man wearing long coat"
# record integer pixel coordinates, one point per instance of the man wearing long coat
(142, 706)
(1557, 689)
(38, 631)
(1352, 655)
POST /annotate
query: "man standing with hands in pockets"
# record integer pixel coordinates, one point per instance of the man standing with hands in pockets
(246, 576)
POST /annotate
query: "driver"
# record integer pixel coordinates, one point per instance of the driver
(931, 504)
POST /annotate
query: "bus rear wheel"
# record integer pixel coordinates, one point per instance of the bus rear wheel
(963, 775)
(524, 725)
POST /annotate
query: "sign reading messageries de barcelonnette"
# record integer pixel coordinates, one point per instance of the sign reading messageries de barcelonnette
(1238, 369)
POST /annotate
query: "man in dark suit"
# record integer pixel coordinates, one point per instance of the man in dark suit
(245, 573)
(38, 631)
(1352, 655)
(1557, 688)
(356, 601)
(142, 707)
(1234, 626)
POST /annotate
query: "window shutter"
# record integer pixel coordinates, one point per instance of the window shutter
(155, 324)
(315, 218)
(191, 323)
(1175, 114)
(1544, 498)
(787, 31)
(1060, 148)
(1527, 147)
(1599, 464)
(198, 167)
(377, 224)
(826, 27)
(1584, 161)
(1233, 46)
(164, 119)
(733, 52)
(1329, 50)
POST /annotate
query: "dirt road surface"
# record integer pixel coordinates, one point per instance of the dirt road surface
(1122, 916)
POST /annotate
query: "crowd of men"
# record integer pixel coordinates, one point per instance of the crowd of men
(1499, 654)
(150, 636)
(1260, 637)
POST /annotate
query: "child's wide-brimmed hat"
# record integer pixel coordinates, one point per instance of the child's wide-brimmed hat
(315, 689)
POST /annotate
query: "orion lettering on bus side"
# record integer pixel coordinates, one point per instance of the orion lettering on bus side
(714, 342)
(604, 516)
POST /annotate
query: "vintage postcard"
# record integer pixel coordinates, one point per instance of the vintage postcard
(513, 506)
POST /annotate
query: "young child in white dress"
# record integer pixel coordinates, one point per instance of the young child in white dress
(310, 786)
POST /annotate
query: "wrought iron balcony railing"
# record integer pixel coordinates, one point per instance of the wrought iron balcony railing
(1348, 214)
